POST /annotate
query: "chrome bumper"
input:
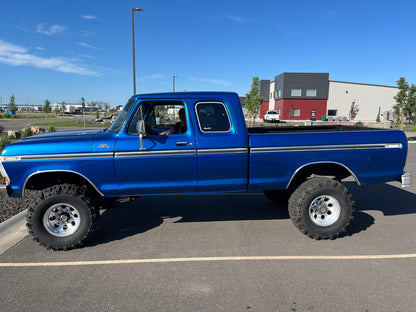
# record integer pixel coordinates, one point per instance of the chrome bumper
(406, 179)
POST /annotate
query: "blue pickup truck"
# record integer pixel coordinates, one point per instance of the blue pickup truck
(181, 143)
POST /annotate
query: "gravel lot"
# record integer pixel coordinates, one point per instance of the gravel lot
(10, 207)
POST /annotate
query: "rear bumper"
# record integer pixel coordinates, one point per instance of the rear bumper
(406, 179)
(4, 191)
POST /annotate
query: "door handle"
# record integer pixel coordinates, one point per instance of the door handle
(181, 143)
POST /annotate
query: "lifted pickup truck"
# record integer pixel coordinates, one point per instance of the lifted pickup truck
(177, 143)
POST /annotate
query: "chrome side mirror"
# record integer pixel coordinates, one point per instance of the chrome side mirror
(141, 130)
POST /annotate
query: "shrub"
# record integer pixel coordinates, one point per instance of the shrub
(27, 132)
(51, 129)
(4, 140)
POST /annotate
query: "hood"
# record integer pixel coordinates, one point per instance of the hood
(53, 143)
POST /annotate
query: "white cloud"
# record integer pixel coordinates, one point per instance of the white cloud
(40, 48)
(15, 55)
(89, 17)
(210, 80)
(152, 77)
(86, 45)
(51, 30)
(235, 19)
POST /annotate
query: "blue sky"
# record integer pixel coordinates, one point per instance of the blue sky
(64, 50)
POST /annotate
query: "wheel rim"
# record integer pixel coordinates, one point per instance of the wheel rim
(324, 210)
(61, 220)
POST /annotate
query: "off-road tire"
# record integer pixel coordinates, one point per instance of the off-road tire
(321, 208)
(62, 217)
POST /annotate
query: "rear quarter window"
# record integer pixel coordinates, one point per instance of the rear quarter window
(213, 117)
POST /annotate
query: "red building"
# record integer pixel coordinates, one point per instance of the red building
(297, 96)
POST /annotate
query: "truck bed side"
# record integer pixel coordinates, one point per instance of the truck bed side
(370, 156)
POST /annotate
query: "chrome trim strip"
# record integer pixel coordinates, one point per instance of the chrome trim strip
(323, 162)
(324, 147)
(49, 171)
(222, 151)
(156, 153)
(57, 156)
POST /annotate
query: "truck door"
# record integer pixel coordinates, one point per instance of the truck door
(167, 163)
(222, 152)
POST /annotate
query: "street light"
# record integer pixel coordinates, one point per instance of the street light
(134, 59)
(174, 88)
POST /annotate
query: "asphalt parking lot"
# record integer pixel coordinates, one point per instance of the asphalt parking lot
(225, 253)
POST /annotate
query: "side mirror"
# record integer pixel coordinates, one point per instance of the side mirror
(141, 130)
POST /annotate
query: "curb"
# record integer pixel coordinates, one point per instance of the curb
(12, 231)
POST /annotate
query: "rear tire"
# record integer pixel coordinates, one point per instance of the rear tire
(62, 217)
(321, 208)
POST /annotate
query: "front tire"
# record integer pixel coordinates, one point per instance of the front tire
(62, 217)
(321, 208)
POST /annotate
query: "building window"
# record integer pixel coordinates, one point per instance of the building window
(332, 112)
(296, 92)
(311, 92)
(295, 112)
(280, 94)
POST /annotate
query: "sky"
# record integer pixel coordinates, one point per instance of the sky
(64, 50)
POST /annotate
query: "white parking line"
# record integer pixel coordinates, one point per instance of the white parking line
(206, 259)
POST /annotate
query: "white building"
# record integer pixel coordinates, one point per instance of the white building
(369, 98)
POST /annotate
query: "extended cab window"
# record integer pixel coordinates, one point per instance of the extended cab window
(213, 117)
(161, 118)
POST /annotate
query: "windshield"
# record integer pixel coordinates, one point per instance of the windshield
(118, 123)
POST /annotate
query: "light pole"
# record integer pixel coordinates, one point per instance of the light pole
(134, 59)
(174, 87)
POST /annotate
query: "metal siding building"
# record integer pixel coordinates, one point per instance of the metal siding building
(369, 98)
(316, 93)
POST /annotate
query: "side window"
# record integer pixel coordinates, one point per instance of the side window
(213, 117)
(161, 118)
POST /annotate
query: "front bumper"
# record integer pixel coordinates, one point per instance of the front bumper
(406, 179)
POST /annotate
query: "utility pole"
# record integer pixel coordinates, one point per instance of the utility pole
(134, 52)
(174, 87)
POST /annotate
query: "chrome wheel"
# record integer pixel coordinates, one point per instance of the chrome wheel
(324, 210)
(61, 219)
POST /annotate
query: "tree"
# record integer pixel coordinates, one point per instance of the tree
(12, 105)
(47, 107)
(378, 119)
(405, 101)
(106, 108)
(253, 99)
(63, 107)
(354, 109)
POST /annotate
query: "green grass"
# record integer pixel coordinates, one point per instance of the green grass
(410, 129)
(70, 124)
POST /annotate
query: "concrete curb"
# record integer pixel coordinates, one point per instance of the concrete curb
(12, 231)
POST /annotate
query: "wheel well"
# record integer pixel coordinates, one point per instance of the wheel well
(40, 181)
(334, 170)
